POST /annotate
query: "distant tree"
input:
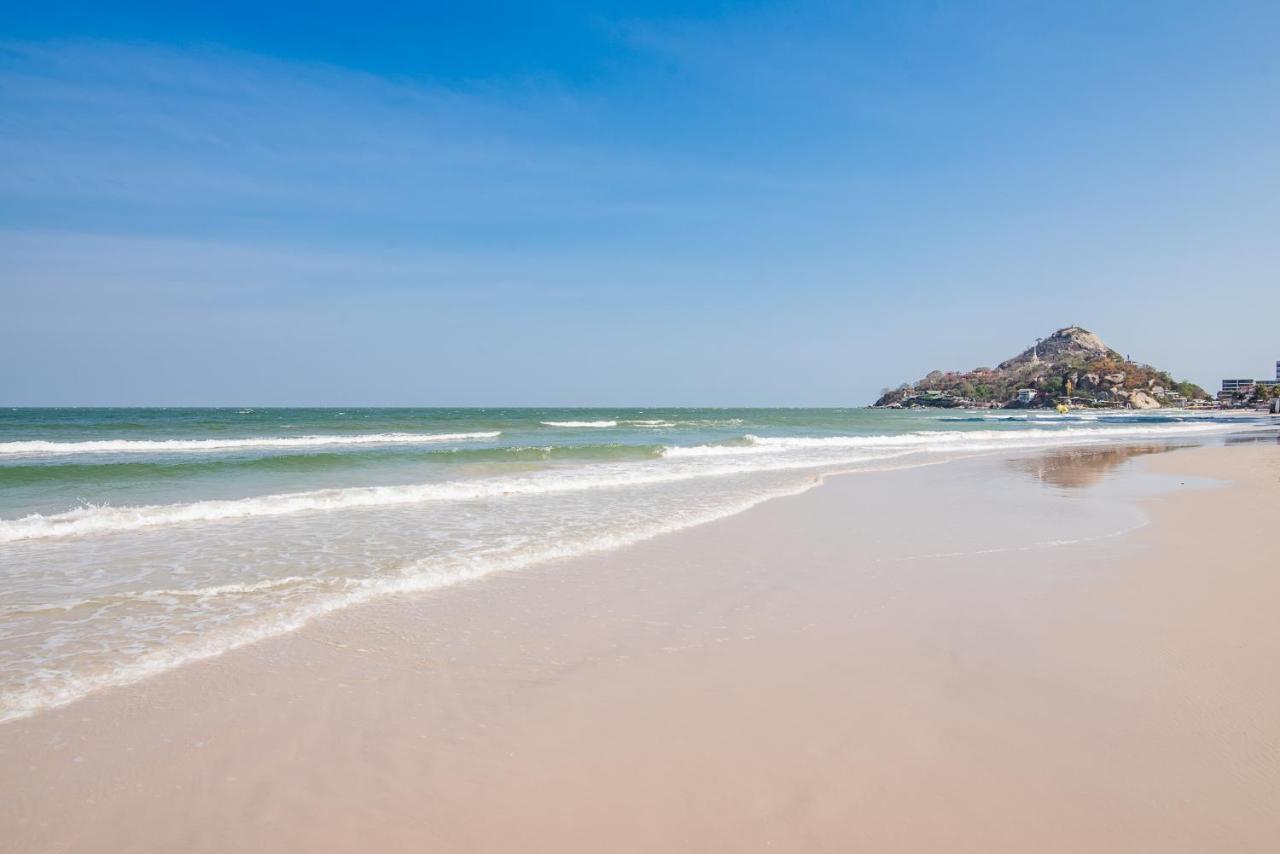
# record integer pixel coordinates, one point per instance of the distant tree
(1191, 391)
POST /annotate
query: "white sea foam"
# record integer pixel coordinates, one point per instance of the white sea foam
(948, 440)
(152, 446)
(677, 464)
(210, 592)
(102, 519)
(579, 423)
(418, 576)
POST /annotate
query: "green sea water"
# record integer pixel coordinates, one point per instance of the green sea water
(156, 455)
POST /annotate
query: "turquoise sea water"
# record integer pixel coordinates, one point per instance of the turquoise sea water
(134, 540)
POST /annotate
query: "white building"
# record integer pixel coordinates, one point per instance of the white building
(1026, 395)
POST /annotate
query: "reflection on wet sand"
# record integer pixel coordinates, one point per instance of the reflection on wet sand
(1076, 468)
(1265, 438)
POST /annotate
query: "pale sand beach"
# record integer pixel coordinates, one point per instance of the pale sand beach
(1070, 651)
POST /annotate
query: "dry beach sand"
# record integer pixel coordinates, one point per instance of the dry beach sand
(990, 655)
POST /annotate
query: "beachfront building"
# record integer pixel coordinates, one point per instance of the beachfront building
(1026, 395)
(1230, 388)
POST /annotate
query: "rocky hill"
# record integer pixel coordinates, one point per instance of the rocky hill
(1071, 365)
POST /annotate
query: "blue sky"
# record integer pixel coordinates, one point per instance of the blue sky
(703, 204)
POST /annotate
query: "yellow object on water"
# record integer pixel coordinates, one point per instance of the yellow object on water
(1063, 409)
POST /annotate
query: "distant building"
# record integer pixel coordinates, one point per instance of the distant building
(1278, 370)
(1026, 395)
(1232, 387)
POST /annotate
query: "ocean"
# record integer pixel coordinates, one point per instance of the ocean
(133, 541)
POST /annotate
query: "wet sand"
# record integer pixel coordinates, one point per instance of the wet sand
(990, 655)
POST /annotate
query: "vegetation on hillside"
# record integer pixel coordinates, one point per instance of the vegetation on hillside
(1071, 363)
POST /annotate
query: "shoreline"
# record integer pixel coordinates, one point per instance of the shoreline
(771, 678)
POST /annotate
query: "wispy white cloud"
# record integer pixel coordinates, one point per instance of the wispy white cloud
(231, 134)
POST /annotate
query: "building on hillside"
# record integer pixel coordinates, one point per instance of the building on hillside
(1026, 395)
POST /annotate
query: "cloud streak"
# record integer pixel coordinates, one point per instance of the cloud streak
(239, 137)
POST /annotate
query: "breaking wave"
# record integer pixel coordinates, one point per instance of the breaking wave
(152, 446)
(579, 423)
(748, 454)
